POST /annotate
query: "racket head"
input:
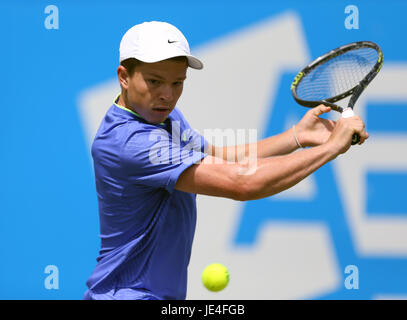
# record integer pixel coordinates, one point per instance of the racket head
(337, 74)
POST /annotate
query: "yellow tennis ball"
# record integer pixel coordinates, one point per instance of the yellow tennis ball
(215, 277)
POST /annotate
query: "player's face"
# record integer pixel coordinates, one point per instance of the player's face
(154, 88)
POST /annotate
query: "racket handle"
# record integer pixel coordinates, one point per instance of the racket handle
(347, 113)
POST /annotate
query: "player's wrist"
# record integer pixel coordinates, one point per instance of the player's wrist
(301, 136)
(295, 135)
(331, 149)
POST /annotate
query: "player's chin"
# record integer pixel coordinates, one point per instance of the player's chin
(158, 115)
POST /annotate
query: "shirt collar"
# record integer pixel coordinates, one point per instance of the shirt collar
(115, 102)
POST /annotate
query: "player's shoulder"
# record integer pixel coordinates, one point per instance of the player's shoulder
(118, 127)
(140, 135)
(176, 114)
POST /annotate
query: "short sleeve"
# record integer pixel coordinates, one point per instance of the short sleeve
(155, 158)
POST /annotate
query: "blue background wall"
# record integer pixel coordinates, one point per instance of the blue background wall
(48, 212)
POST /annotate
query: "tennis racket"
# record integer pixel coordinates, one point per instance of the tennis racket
(341, 72)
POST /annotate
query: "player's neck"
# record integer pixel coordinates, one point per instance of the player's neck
(123, 101)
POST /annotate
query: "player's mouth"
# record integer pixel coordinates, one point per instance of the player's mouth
(162, 109)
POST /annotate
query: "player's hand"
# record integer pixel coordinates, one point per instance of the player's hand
(341, 137)
(313, 130)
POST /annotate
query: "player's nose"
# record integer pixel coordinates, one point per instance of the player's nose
(166, 93)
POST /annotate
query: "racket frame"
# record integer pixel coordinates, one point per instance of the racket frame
(355, 91)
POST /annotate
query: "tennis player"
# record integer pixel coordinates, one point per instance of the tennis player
(150, 164)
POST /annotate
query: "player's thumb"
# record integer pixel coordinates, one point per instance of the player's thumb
(325, 108)
(322, 109)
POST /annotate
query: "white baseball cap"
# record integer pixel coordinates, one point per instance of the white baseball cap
(156, 41)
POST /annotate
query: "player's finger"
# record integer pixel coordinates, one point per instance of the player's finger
(362, 128)
(355, 125)
(362, 134)
(331, 124)
(364, 137)
(321, 109)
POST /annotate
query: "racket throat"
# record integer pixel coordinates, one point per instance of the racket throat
(356, 93)
(332, 105)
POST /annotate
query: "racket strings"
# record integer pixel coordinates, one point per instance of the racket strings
(337, 75)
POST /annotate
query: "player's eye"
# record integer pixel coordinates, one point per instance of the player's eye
(178, 83)
(153, 82)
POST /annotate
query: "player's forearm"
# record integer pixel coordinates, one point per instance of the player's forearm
(280, 144)
(276, 174)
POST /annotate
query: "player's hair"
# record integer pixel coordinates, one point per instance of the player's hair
(131, 63)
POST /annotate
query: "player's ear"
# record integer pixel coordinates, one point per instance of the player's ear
(123, 76)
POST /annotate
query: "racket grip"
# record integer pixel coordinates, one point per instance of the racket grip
(347, 113)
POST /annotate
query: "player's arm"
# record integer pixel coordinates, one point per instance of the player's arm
(272, 175)
(280, 144)
(310, 131)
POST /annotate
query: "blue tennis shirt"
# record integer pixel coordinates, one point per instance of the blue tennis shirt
(146, 226)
